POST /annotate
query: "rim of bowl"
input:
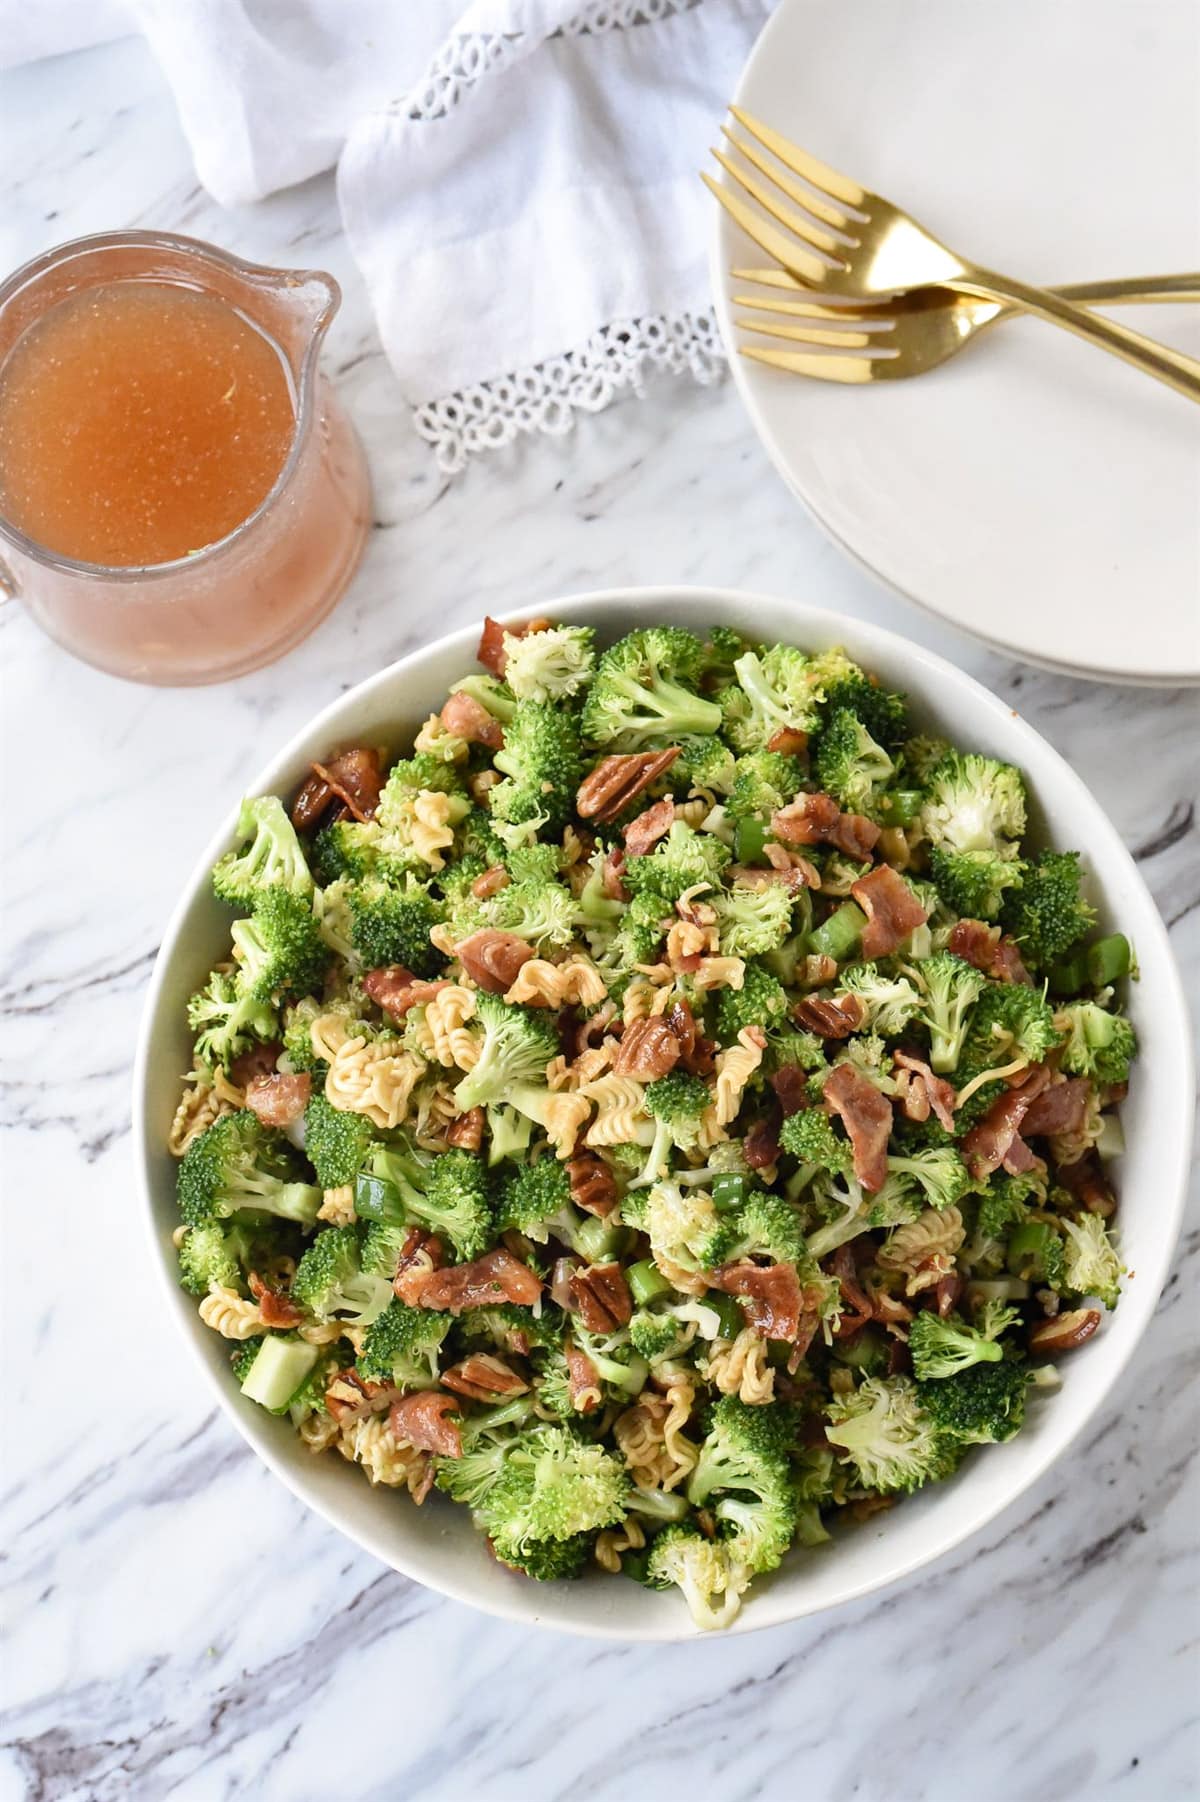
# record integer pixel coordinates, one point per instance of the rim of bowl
(765, 1609)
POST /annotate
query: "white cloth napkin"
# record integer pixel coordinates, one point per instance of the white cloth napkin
(517, 178)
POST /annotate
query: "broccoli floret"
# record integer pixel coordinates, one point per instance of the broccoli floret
(973, 817)
(539, 910)
(980, 1406)
(1047, 914)
(890, 1001)
(884, 1431)
(237, 1165)
(245, 1355)
(1004, 1204)
(849, 765)
(553, 1486)
(767, 1227)
(704, 763)
(510, 1328)
(392, 925)
(267, 855)
(279, 949)
(974, 883)
(942, 1348)
(496, 696)
(882, 712)
(548, 1560)
(551, 665)
(346, 848)
(774, 692)
(211, 1257)
(685, 1230)
(508, 1133)
(402, 1347)
(939, 1170)
(382, 1244)
(752, 921)
(408, 778)
(682, 860)
(921, 756)
(763, 782)
(701, 1569)
(1099, 1044)
(1092, 1266)
(677, 1104)
(476, 840)
(532, 1196)
(761, 1001)
(656, 1336)
(447, 1193)
(1011, 1025)
(642, 693)
(952, 987)
(809, 1136)
(227, 1021)
(517, 1044)
(742, 1472)
(790, 1046)
(336, 1142)
(330, 1282)
(542, 761)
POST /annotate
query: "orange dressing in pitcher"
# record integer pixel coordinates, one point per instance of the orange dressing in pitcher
(140, 421)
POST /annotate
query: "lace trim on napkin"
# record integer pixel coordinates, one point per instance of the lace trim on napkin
(548, 396)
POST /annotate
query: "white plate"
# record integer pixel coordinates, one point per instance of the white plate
(1034, 490)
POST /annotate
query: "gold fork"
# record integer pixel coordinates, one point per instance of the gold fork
(890, 340)
(871, 249)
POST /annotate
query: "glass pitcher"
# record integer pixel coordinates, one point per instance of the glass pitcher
(245, 599)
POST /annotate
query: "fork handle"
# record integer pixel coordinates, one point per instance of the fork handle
(1169, 366)
(1142, 287)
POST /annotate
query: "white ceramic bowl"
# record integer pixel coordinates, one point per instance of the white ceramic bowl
(436, 1544)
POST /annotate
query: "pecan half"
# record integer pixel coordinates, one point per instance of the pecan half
(490, 883)
(482, 1377)
(648, 1049)
(830, 1019)
(467, 1131)
(593, 1185)
(599, 1295)
(468, 718)
(492, 959)
(697, 1054)
(1064, 1332)
(618, 780)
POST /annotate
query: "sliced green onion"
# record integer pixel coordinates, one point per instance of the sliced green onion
(646, 1282)
(840, 933)
(901, 807)
(749, 838)
(729, 1189)
(1028, 1246)
(378, 1198)
(1109, 959)
(728, 1313)
(1069, 977)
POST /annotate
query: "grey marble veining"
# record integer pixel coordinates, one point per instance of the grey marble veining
(177, 1624)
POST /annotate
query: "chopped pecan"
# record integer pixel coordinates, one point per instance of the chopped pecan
(649, 827)
(696, 1053)
(354, 778)
(494, 879)
(467, 1131)
(420, 1421)
(830, 1019)
(1064, 1332)
(481, 784)
(587, 1031)
(593, 1185)
(946, 1292)
(921, 1092)
(420, 1255)
(350, 1397)
(816, 970)
(617, 781)
(648, 1049)
(600, 1296)
(482, 1377)
(469, 719)
(790, 871)
(495, 1277)
(789, 741)
(761, 1144)
(279, 1100)
(492, 959)
(260, 1060)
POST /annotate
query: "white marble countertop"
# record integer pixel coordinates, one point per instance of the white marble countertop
(179, 1625)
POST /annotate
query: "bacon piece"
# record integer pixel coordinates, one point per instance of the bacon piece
(353, 777)
(583, 1379)
(771, 1293)
(818, 820)
(260, 1060)
(893, 911)
(844, 1265)
(467, 1131)
(492, 959)
(279, 1100)
(789, 741)
(939, 1095)
(991, 1140)
(790, 1084)
(420, 1421)
(867, 1115)
(593, 1185)
(1086, 1181)
(396, 990)
(1019, 1158)
(760, 1147)
(599, 1294)
(649, 1049)
(611, 873)
(830, 1019)
(491, 882)
(468, 718)
(276, 1308)
(495, 1277)
(649, 827)
(983, 946)
(1060, 1108)
(617, 781)
(696, 1053)
(491, 652)
(420, 1255)
(482, 1377)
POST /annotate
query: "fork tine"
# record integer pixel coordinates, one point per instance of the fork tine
(770, 278)
(785, 250)
(865, 318)
(794, 222)
(808, 334)
(835, 186)
(813, 203)
(825, 366)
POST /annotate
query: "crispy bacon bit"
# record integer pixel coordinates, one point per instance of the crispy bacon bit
(593, 1185)
(946, 1292)
(467, 1131)
(818, 820)
(353, 777)
(260, 1060)
(1060, 1108)
(276, 1308)
(468, 718)
(867, 1115)
(924, 1092)
(583, 1379)
(830, 1019)
(893, 911)
(350, 1397)
(395, 989)
(482, 1377)
(648, 1049)
(1062, 1333)
(771, 1294)
(789, 741)
(990, 1143)
(492, 959)
(982, 945)
(420, 1421)
(617, 781)
(1086, 1181)
(600, 1296)
(495, 1277)
(490, 883)
(279, 1100)
(491, 651)
(649, 827)
(611, 873)
(420, 1255)
(790, 1084)
(760, 1147)
(858, 1304)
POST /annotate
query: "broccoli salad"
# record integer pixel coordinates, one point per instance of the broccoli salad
(668, 1111)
